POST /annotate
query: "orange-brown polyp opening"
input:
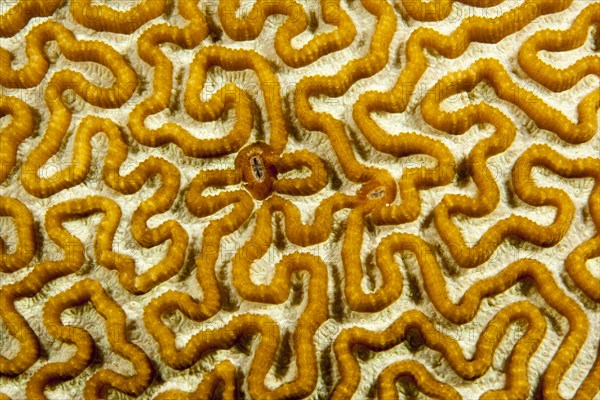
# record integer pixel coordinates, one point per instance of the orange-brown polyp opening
(376, 194)
(257, 165)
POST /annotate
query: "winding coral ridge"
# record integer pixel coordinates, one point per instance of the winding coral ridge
(239, 300)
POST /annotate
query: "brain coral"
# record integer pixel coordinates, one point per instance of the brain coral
(289, 199)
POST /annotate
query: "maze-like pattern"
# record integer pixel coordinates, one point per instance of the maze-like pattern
(285, 199)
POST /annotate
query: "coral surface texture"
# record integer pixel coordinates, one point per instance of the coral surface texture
(299, 199)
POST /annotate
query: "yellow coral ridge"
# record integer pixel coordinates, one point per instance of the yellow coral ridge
(17, 16)
(103, 18)
(20, 127)
(249, 28)
(516, 386)
(555, 78)
(457, 122)
(223, 373)
(96, 386)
